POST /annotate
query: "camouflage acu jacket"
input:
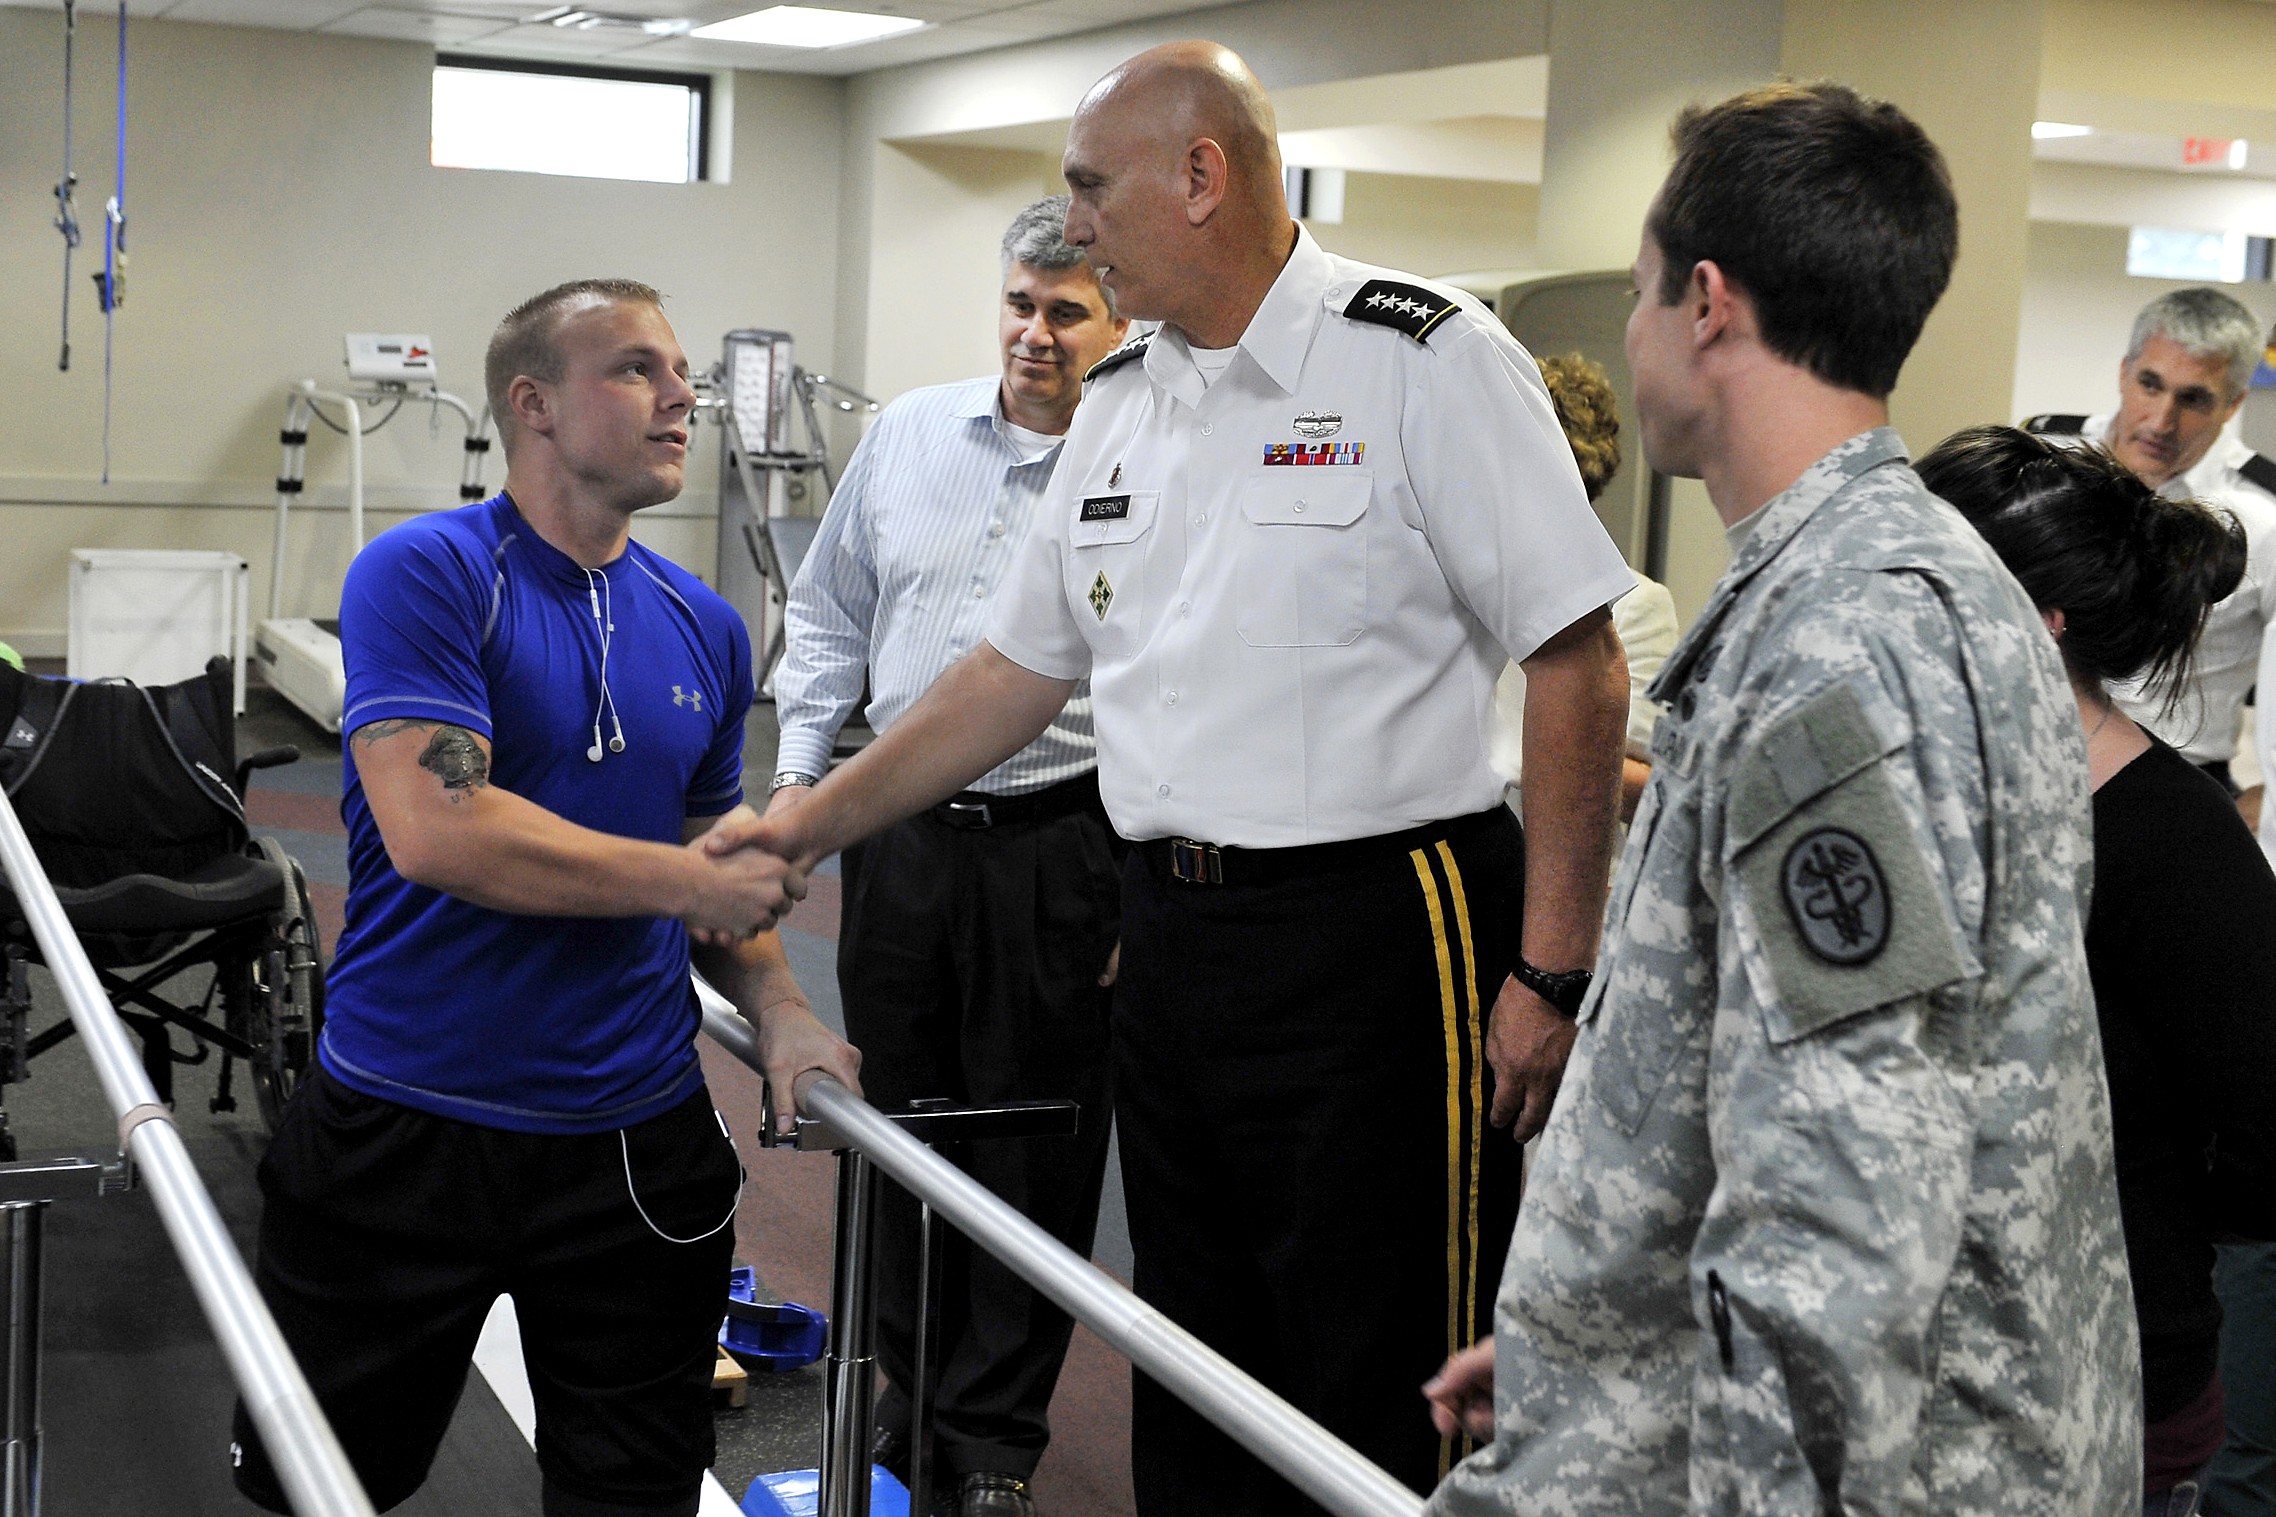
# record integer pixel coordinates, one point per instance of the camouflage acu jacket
(1825, 1218)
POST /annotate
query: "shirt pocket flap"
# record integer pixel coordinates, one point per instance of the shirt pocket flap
(1812, 750)
(1123, 517)
(1321, 498)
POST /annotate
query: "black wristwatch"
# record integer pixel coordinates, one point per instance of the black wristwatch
(1563, 991)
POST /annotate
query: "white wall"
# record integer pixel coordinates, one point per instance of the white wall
(932, 299)
(934, 281)
(2079, 306)
(1288, 42)
(280, 195)
(1434, 226)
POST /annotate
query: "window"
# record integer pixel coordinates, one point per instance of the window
(544, 118)
(2205, 257)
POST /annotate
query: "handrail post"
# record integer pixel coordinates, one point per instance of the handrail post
(929, 1260)
(22, 1227)
(850, 1376)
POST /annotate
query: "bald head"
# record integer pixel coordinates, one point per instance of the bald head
(1181, 92)
(1173, 162)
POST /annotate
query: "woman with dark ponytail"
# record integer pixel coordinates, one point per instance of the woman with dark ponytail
(2181, 937)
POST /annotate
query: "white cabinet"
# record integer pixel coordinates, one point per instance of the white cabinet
(155, 616)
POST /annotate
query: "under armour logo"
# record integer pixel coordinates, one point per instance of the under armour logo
(687, 697)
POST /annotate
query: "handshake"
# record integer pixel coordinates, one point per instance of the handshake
(753, 870)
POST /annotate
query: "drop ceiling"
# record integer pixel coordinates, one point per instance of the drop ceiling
(506, 30)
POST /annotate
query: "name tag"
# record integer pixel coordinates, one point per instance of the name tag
(1105, 508)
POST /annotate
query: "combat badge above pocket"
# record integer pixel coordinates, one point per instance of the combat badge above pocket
(1847, 910)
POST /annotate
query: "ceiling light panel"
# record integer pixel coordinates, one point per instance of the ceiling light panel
(807, 26)
(414, 26)
(293, 15)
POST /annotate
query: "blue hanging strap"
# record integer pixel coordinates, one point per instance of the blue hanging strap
(66, 213)
(111, 283)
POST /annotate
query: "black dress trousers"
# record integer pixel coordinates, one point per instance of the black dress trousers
(969, 964)
(1301, 1091)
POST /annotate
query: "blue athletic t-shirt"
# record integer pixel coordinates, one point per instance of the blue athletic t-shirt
(537, 1024)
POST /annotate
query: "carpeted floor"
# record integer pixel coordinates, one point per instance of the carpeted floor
(138, 1397)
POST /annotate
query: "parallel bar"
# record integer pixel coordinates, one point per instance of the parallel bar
(314, 1470)
(1316, 1462)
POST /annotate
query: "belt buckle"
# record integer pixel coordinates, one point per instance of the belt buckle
(970, 815)
(1196, 863)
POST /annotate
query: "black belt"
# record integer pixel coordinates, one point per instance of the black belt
(1193, 862)
(977, 811)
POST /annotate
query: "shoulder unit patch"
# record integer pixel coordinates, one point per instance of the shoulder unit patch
(1410, 308)
(2056, 423)
(1119, 357)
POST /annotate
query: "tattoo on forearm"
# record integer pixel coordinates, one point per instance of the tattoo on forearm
(457, 760)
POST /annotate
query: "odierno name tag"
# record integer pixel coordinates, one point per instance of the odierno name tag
(1106, 508)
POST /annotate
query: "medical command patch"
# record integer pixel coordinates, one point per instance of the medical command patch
(1837, 897)
(1290, 454)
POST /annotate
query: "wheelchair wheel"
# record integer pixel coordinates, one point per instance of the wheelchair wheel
(287, 1002)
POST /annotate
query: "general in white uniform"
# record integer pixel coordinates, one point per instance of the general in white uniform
(1293, 570)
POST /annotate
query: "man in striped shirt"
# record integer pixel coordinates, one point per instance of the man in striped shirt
(978, 936)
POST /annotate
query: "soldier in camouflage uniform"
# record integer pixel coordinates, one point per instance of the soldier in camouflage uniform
(1824, 1219)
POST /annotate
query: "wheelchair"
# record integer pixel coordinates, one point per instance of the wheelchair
(126, 794)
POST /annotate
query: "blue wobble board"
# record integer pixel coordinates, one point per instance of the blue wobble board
(798, 1493)
(770, 1336)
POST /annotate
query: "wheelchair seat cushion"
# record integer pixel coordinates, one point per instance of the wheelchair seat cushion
(219, 892)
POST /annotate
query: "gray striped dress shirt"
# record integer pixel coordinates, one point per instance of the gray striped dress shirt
(923, 527)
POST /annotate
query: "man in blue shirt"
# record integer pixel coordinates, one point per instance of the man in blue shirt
(542, 715)
(975, 933)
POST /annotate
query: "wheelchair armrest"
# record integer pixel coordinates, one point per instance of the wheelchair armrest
(267, 758)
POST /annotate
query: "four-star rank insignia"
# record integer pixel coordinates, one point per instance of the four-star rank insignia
(1102, 595)
(1410, 308)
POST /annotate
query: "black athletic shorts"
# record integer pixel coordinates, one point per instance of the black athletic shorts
(388, 1233)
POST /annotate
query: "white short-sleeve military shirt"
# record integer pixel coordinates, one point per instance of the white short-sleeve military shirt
(1294, 588)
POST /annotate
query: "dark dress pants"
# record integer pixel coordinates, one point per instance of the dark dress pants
(969, 963)
(1300, 1097)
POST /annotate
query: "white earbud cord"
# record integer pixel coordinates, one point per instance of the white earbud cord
(625, 1148)
(606, 628)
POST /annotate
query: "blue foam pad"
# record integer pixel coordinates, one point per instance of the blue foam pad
(798, 1493)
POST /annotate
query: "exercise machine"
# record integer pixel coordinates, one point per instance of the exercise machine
(756, 392)
(300, 656)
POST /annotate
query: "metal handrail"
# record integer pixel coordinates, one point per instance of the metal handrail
(308, 1458)
(1314, 1460)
